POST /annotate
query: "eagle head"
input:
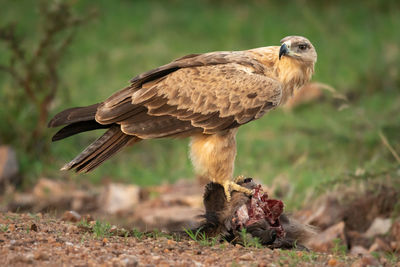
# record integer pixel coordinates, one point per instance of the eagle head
(299, 48)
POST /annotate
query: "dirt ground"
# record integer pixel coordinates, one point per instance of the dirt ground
(44, 240)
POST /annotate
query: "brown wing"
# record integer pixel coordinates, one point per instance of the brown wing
(207, 97)
(197, 60)
(193, 60)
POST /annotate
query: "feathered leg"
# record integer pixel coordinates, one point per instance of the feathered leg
(213, 156)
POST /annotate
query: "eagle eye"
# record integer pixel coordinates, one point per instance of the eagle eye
(303, 47)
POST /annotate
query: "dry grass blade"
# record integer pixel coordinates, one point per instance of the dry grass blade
(387, 144)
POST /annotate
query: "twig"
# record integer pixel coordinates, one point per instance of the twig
(391, 149)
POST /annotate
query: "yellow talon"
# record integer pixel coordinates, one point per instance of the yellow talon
(239, 179)
(230, 186)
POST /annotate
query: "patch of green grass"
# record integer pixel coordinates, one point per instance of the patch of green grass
(222, 246)
(4, 227)
(202, 238)
(156, 234)
(101, 229)
(34, 216)
(309, 256)
(339, 247)
(84, 237)
(392, 257)
(292, 255)
(248, 240)
(137, 234)
(84, 224)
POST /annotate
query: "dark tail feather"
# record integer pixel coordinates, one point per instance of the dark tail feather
(73, 115)
(100, 150)
(78, 127)
(78, 120)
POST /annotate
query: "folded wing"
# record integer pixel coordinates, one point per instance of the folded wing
(205, 93)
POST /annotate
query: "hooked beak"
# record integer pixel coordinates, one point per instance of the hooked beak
(283, 51)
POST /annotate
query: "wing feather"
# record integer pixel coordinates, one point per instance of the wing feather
(209, 93)
(196, 60)
(148, 127)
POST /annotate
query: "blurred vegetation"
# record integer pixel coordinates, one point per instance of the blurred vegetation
(358, 54)
(34, 73)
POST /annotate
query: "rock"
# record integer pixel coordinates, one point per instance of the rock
(88, 218)
(170, 218)
(9, 170)
(366, 261)
(355, 238)
(332, 262)
(118, 198)
(21, 202)
(71, 216)
(380, 245)
(329, 212)
(84, 201)
(171, 242)
(195, 201)
(358, 250)
(34, 227)
(114, 229)
(128, 261)
(246, 257)
(176, 206)
(54, 194)
(70, 228)
(395, 231)
(379, 226)
(325, 241)
(365, 207)
(182, 193)
(23, 258)
(40, 255)
(47, 189)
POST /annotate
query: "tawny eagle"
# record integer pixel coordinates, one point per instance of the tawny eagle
(202, 96)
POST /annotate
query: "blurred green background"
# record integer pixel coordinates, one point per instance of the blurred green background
(358, 55)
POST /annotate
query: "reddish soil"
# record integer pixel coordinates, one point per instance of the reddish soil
(42, 240)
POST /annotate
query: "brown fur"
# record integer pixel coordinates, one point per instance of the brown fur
(219, 215)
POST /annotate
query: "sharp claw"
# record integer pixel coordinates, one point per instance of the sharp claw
(239, 178)
(227, 191)
(250, 192)
(230, 186)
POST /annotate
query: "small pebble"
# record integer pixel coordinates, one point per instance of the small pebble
(34, 227)
(246, 257)
(71, 216)
(332, 262)
(171, 242)
(40, 255)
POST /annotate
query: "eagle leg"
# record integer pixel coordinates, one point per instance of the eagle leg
(230, 186)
